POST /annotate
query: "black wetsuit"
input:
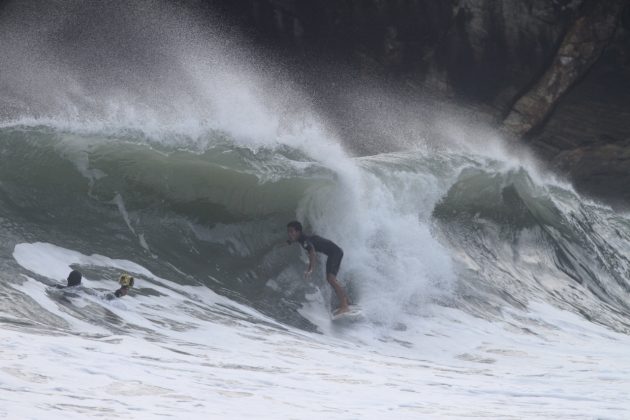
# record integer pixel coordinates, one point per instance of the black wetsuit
(325, 246)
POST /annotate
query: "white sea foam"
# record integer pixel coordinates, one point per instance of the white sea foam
(452, 364)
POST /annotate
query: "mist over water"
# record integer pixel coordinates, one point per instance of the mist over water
(151, 138)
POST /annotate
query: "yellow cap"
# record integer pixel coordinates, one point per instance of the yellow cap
(126, 280)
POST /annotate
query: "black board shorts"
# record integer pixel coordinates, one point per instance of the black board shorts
(333, 262)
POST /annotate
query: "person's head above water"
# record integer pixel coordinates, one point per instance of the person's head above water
(126, 283)
(74, 278)
(294, 230)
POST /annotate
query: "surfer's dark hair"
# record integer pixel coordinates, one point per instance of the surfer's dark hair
(295, 225)
(74, 278)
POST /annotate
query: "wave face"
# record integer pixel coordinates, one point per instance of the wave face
(219, 215)
(482, 279)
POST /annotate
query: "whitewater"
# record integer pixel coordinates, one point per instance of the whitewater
(150, 139)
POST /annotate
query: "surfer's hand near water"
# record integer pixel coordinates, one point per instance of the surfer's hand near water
(307, 273)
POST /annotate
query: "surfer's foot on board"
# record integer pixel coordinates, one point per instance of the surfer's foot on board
(341, 310)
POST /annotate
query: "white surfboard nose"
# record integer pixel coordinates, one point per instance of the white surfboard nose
(352, 314)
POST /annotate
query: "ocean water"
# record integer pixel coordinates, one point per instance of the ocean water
(143, 139)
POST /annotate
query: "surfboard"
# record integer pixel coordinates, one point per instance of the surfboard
(354, 314)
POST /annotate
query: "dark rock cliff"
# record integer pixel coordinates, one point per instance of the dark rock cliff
(554, 74)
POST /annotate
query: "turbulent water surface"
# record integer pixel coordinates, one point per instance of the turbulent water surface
(489, 288)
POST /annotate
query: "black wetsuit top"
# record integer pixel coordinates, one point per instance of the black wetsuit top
(320, 244)
(325, 246)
